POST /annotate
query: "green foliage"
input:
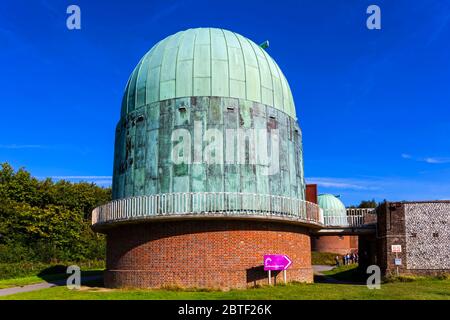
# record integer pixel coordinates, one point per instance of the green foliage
(47, 221)
(324, 258)
(368, 204)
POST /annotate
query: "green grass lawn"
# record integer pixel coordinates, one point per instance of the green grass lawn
(347, 273)
(418, 289)
(22, 281)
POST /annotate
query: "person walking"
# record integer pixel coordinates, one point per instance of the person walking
(337, 261)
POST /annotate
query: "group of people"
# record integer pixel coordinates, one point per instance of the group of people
(348, 258)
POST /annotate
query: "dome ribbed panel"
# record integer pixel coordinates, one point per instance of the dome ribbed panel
(208, 62)
(331, 205)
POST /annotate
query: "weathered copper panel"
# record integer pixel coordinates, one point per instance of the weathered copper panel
(143, 154)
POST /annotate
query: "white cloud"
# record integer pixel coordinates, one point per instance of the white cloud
(22, 146)
(104, 181)
(431, 160)
(82, 177)
(341, 183)
(436, 160)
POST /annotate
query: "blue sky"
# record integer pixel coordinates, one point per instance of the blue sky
(374, 105)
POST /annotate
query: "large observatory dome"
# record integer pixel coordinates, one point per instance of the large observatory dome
(208, 62)
(208, 163)
(204, 80)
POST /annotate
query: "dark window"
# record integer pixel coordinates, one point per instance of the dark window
(435, 235)
(413, 235)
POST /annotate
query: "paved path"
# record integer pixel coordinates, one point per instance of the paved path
(318, 271)
(42, 285)
(318, 268)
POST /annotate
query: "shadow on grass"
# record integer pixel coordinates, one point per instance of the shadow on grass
(342, 275)
(58, 275)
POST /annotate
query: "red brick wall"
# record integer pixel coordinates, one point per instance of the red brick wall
(335, 244)
(206, 253)
(311, 193)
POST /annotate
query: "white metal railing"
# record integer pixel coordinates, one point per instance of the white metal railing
(353, 217)
(207, 204)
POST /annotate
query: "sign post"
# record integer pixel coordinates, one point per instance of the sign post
(276, 262)
(397, 248)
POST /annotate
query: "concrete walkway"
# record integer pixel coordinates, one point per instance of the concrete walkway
(318, 271)
(43, 285)
(318, 268)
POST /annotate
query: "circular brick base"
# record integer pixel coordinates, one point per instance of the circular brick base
(335, 244)
(206, 253)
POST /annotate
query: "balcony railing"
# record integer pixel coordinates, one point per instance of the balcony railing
(208, 204)
(354, 217)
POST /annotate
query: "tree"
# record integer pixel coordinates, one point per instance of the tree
(42, 220)
(368, 204)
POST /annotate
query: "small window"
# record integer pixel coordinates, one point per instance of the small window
(272, 117)
(230, 108)
(413, 235)
(435, 235)
(140, 119)
(182, 109)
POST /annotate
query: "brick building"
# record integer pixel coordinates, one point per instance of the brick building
(419, 230)
(334, 213)
(191, 206)
(208, 178)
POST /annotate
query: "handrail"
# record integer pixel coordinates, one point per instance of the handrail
(207, 204)
(353, 217)
(228, 204)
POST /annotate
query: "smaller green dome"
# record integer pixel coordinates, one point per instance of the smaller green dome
(332, 206)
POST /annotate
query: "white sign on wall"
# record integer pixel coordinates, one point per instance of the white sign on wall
(396, 248)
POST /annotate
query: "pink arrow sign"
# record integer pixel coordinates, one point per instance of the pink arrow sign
(276, 262)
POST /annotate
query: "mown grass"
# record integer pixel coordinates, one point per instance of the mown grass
(33, 279)
(349, 273)
(425, 289)
(400, 288)
(32, 268)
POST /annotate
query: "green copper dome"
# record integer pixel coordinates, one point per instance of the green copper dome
(207, 62)
(331, 205)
